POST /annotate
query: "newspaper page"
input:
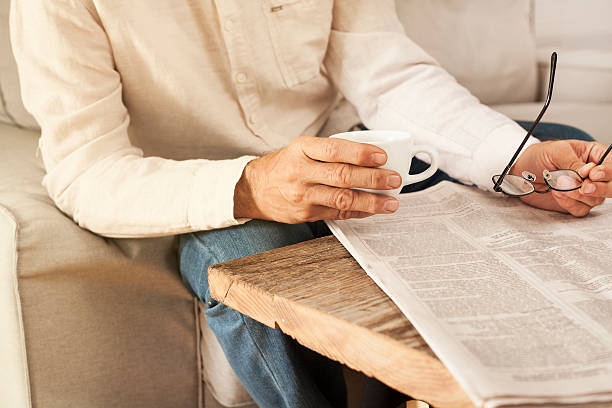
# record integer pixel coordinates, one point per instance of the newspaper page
(515, 301)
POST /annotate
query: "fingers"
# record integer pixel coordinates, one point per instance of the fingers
(601, 173)
(571, 205)
(326, 213)
(598, 183)
(348, 200)
(596, 152)
(567, 154)
(349, 176)
(589, 200)
(587, 151)
(585, 170)
(594, 190)
(341, 151)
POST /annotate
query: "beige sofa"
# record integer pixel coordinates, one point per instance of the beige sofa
(88, 321)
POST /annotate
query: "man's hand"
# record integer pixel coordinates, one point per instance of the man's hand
(311, 179)
(567, 154)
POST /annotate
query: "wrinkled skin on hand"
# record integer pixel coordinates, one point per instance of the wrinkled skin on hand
(576, 155)
(313, 179)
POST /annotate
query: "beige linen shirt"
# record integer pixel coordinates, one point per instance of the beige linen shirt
(150, 110)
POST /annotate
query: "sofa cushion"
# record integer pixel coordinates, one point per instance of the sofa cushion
(593, 118)
(488, 46)
(106, 322)
(11, 106)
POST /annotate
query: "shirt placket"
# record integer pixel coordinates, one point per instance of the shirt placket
(242, 69)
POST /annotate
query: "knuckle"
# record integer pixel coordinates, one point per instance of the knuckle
(344, 199)
(576, 164)
(377, 203)
(579, 211)
(295, 195)
(331, 149)
(300, 140)
(342, 174)
(304, 214)
(292, 174)
(583, 213)
(362, 154)
(299, 144)
(343, 215)
(377, 179)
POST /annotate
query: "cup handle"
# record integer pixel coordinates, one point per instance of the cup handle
(433, 167)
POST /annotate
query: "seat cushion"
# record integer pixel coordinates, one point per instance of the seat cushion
(593, 118)
(106, 322)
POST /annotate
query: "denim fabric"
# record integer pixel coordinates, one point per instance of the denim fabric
(275, 369)
(555, 131)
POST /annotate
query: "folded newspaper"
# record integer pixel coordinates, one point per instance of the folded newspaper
(515, 301)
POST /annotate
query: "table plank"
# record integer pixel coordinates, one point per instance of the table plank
(316, 293)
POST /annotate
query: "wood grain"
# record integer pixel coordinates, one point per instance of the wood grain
(316, 293)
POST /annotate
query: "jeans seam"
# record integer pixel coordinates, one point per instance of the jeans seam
(215, 260)
(242, 317)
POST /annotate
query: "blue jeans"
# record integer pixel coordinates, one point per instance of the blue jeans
(276, 370)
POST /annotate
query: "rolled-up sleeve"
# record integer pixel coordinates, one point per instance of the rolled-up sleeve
(93, 172)
(394, 84)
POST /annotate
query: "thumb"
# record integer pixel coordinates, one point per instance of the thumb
(585, 170)
(570, 160)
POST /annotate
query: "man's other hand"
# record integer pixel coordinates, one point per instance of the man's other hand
(312, 179)
(567, 154)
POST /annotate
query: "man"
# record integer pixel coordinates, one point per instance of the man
(186, 117)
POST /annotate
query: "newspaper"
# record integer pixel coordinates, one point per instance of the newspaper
(515, 301)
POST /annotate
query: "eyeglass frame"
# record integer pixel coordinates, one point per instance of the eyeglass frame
(530, 177)
(551, 82)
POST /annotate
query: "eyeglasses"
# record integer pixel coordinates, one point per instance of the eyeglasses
(559, 180)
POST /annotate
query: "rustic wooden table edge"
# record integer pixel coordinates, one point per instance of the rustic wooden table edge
(411, 369)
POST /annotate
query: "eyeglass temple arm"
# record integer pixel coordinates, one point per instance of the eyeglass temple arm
(551, 81)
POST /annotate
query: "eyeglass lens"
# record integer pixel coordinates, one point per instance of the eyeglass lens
(563, 180)
(514, 185)
(560, 180)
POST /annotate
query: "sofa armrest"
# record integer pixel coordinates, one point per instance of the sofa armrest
(583, 75)
(14, 383)
(106, 322)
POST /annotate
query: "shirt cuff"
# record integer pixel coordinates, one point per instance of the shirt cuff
(212, 199)
(494, 153)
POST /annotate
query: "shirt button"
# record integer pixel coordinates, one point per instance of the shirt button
(241, 77)
(253, 119)
(229, 25)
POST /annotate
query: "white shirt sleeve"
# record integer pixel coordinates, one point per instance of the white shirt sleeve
(94, 174)
(394, 84)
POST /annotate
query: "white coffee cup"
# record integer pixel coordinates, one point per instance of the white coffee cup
(400, 151)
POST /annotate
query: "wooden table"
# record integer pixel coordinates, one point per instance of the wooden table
(317, 293)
